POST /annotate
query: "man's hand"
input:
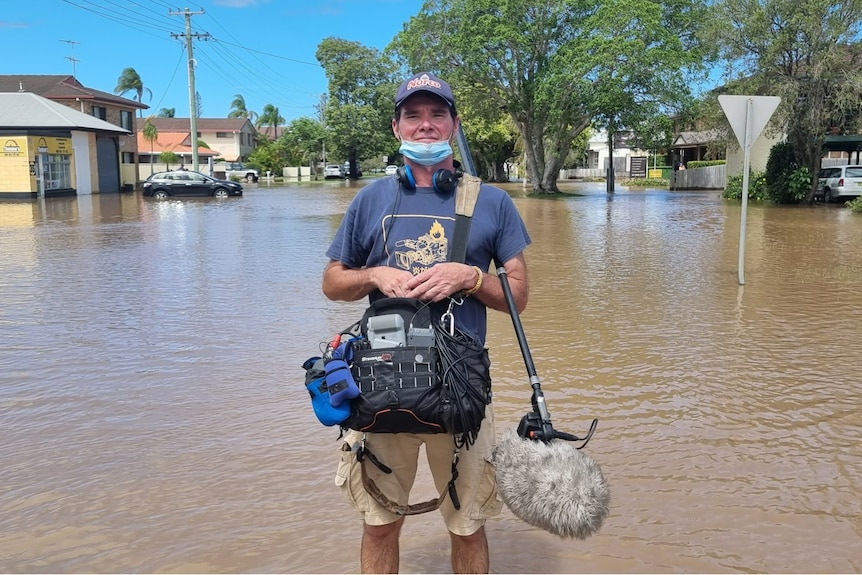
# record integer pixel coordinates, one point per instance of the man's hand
(441, 281)
(391, 281)
(350, 284)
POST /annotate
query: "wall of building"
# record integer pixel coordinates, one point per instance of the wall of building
(758, 158)
(15, 175)
(19, 166)
(84, 170)
(127, 143)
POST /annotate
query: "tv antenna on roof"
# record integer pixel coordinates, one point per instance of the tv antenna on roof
(72, 58)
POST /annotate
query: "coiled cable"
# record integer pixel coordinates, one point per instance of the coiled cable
(466, 385)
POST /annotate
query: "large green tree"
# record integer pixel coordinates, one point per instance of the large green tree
(544, 61)
(647, 72)
(130, 81)
(361, 100)
(490, 133)
(808, 53)
(303, 140)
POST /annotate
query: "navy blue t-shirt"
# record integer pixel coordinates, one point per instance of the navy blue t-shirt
(389, 225)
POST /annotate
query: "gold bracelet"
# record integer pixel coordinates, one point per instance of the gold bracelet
(476, 287)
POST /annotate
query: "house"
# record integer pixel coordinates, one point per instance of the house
(176, 142)
(52, 150)
(696, 145)
(598, 159)
(271, 133)
(68, 91)
(231, 138)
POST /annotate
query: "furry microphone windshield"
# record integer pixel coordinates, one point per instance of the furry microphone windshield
(552, 485)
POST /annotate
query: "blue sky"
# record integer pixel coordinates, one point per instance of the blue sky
(262, 49)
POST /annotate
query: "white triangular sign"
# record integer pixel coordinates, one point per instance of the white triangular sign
(762, 108)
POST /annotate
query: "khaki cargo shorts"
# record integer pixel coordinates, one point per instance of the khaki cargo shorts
(476, 485)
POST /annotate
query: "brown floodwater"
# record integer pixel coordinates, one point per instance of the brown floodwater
(154, 417)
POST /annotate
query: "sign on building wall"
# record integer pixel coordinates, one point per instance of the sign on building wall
(638, 167)
(14, 147)
(46, 145)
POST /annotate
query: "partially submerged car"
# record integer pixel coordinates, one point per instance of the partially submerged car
(162, 185)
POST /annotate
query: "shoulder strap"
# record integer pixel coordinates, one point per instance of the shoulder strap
(466, 196)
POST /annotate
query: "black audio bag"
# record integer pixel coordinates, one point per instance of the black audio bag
(441, 388)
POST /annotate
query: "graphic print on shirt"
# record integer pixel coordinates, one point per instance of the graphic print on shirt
(419, 254)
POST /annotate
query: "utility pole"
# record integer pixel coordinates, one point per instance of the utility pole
(193, 112)
(321, 108)
(72, 58)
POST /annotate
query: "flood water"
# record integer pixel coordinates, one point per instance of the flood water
(154, 417)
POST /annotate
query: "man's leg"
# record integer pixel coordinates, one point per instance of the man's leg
(470, 552)
(380, 551)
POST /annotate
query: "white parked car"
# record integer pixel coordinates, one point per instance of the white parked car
(333, 171)
(237, 170)
(391, 169)
(838, 181)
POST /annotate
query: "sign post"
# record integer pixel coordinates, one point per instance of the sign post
(748, 116)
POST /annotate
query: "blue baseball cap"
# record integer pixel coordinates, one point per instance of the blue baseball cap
(425, 82)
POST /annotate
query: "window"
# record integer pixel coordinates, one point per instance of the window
(222, 135)
(853, 172)
(128, 158)
(126, 120)
(100, 112)
(58, 172)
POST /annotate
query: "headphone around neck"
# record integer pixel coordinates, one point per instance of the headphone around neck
(445, 181)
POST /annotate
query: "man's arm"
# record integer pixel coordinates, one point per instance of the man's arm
(491, 291)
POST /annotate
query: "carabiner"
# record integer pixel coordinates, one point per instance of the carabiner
(447, 320)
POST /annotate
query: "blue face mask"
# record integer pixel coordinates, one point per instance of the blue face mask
(426, 154)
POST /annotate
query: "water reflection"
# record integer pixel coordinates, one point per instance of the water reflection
(155, 421)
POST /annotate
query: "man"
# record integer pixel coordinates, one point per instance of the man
(394, 242)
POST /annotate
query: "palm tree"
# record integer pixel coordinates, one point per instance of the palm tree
(167, 112)
(129, 81)
(238, 109)
(270, 117)
(168, 158)
(150, 133)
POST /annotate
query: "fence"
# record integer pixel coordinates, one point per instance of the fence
(708, 178)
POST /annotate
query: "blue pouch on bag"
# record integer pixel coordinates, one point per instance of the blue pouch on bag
(342, 387)
(315, 383)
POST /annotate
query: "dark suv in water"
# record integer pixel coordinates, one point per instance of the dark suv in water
(163, 185)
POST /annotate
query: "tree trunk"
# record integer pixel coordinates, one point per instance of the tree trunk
(500, 171)
(814, 169)
(534, 149)
(609, 181)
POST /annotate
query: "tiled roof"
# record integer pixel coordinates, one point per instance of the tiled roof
(696, 138)
(177, 142)
(58, 87)
(268, 131)
(202, 124)
(25, 110)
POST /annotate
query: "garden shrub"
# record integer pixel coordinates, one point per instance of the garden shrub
(704, 163)
(779, 168)
(855, 205)
(756, 187)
